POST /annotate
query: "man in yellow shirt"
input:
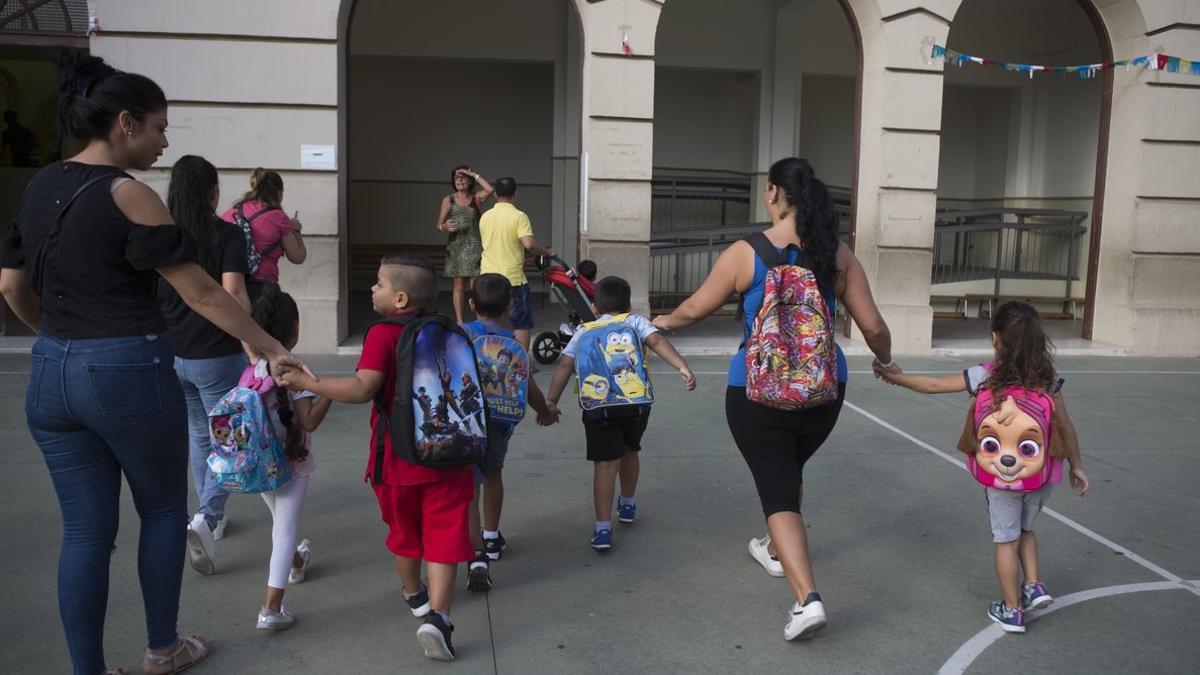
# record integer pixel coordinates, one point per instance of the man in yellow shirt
(507, 235)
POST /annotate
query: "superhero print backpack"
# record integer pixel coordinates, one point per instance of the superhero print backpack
(503, 372)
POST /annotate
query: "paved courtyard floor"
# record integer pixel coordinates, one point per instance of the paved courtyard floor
(900, 539)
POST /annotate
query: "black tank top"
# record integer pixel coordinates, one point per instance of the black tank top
(99, 275)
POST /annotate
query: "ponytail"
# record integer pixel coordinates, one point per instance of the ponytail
(266, 188)
(278, 315)
(1024, 354)
(816, 223)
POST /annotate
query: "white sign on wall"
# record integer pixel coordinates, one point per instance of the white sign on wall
(318, 157)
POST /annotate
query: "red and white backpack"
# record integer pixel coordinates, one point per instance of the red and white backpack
(791, 357)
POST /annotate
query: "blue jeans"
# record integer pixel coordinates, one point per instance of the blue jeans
(99, 408)
(204, 382)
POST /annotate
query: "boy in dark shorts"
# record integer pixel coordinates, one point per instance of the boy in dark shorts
(425, 509)
(613, 442)
(491, 297)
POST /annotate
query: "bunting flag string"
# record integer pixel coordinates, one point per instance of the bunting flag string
(1171, 64)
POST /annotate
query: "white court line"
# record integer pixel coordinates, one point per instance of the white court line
(971, 649)
(1108, 543)
(14, 372)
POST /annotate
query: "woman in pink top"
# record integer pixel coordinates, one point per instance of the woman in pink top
(274, 235)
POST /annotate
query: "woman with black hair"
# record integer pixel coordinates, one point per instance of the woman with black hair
(459, 217)
(208, 360)
(79, 265)
(777, 443)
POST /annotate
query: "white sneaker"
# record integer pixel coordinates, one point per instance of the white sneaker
(219, 530)
(804, 621)
(281, 620)
(304, 550)
(200, 546)
(760, 551)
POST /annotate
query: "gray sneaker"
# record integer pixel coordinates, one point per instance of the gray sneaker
(269, 620)
(200, 546)
(219, 530)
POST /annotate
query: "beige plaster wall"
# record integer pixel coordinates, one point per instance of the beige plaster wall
(241, 102)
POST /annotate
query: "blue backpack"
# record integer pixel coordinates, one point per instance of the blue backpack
(610, 363)
(247, 455)
(503, 372)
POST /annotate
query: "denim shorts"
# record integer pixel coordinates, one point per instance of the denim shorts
(498, 435)
(521, 313)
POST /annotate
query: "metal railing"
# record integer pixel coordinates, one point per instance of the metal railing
(680, 203)
(1007, 243)
(681, 258)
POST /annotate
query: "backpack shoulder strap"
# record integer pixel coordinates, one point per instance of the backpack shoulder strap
(40, 257)
(256, 213)
(765, 250)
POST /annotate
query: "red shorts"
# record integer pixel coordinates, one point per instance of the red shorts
(428, 521)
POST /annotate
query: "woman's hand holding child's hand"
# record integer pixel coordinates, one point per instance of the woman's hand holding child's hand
(884, 373)
(295, 379)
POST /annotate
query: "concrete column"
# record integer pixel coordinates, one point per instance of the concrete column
(565, 171)
(898, 160)
(1148, 283)
(617, 138)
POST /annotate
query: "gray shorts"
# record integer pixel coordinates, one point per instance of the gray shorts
(1013, 512)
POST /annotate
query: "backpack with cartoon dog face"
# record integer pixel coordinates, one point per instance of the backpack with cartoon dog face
(1010, 448)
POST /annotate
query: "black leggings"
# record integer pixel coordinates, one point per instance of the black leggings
(777, 443)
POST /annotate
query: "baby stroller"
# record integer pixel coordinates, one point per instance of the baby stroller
(575, 292)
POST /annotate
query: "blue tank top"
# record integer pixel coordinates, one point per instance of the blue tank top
(752, 300)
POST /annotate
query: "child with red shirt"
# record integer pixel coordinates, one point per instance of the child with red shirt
(425, 509)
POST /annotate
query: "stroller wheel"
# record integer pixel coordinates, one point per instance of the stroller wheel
(546, 348)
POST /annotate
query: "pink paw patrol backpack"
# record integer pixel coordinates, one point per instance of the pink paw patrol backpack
(1012, 440)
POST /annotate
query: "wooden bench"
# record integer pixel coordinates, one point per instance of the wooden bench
(960, 306)
(366, 256)
(987, 303)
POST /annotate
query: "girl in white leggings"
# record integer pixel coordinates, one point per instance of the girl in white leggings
(297, 415)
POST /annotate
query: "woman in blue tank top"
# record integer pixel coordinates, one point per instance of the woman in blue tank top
(777, 443)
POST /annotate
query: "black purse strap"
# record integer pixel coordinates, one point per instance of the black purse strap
(43, 250)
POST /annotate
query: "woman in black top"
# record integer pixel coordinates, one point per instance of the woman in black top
(208, 360)
(79, 265)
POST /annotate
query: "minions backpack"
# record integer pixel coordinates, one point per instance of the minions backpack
(610, 364)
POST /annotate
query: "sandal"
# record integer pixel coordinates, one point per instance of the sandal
(186, 653)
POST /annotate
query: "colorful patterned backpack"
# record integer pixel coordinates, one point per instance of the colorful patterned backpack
(503, 372)
(247, 456)
(791, 358)
(610, 364)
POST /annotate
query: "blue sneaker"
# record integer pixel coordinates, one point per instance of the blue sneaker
(602, 540)
(1010, 619)
(1034, 596)
(626, 512)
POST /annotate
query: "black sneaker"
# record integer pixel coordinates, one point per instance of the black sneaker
(419, 603)
(434, 636)
(495, 547)
(479, 577)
